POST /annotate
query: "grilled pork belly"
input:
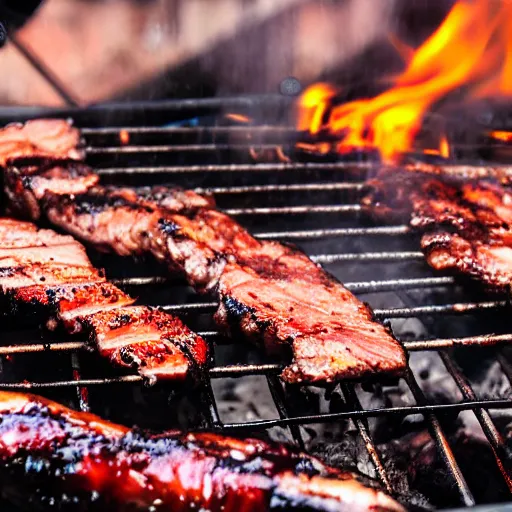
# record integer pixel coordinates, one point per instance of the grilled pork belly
(39, 139)
(268, 292)
(466, 224)
(50, 274)
(280, 296)
(59, 459)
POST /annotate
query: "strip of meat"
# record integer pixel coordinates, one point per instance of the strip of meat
(60, 459)
(39, 139)
(466, 224)
(279, 295)
(268, 292)
(49, 274)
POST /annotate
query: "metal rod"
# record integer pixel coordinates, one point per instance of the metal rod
(485, 340)
(460, 308)
(399, 284)
(369, 257)
(352, 400)
(457, 308)
(175, 148)
(295, 187)
(41, 68)
(294, 210)
(183, 130)
(278, 395)
(357, 286)
(412, 346)
(332, 233)
(211, 405)
(369, 413)
(250, 369)
(140, 281)
(243, 168)
(318, 418)
(441, 442)
(484, 418)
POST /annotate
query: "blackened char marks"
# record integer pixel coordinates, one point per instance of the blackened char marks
(27, 186)
(50, 275)
(466, 223)
(54, 457)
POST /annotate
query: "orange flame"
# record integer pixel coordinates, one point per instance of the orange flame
(472, 47)
(238, 118)
(502, 136)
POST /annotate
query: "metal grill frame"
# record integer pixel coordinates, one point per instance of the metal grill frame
(353, 408)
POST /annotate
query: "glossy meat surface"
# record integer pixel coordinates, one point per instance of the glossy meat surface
(60, 459)
(268, 292)
(280, 294)
(466, 223)
(50, 275)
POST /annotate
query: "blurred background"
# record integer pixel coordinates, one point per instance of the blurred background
(126, 49)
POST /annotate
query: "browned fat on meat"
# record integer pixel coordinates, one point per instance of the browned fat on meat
(27, 186)
(41, 269)
(468, 222)
(115, 220)
(279, 295)
(115, 468)
(149, 338)
(41, 138)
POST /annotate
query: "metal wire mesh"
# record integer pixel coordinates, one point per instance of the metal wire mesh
(309, 179)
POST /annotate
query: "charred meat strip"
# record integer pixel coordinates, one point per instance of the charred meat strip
(268, 292)
(466, 223)
(51, 275)
(55, 458)
(279, 295)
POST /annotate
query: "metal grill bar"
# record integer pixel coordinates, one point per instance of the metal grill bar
(369, 257)
(295, 187)
(361, 424)
(175, 148)
(194, 130)
(486, 340)
(276, 390)
(364, 167)
(369, 413)
(484, 418)
(358, 286)
(232, 168)
(309, 234)
(211, 406)
(278, 422)
(457, 308)
(442, 443)
(294, 210)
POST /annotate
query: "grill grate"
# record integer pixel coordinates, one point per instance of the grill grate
(291, 183)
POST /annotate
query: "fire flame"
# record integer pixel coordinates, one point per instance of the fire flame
(471, 48)
(502, 136)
